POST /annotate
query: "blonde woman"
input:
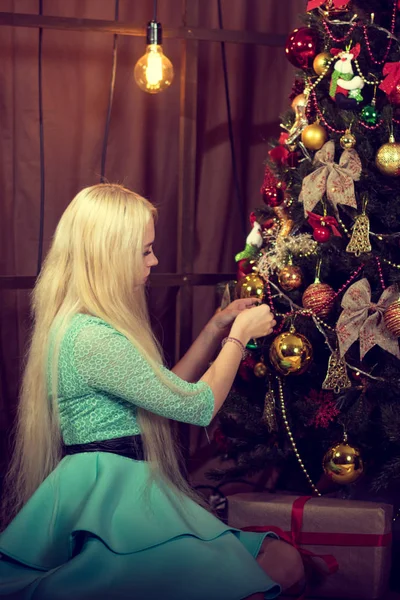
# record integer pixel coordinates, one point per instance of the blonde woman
(101, 509)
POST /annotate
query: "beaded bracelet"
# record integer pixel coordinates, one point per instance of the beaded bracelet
(238, 344)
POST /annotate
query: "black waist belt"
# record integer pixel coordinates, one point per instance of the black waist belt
(130, 447)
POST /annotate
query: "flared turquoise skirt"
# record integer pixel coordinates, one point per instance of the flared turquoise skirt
(96, 530)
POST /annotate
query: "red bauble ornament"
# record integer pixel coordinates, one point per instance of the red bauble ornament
(301, 47)
(321, 234)
(246, 368)
(273, 196)
(320, 298)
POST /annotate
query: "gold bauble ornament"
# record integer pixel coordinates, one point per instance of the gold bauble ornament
(388, 158)
(314, 136)
(260, 370)
(290, 278)
(251, 286)
(343, 463)
(321, 62)
(291, 353)
(348, 140)
(319, 295)
(391, 318)
(299, 101)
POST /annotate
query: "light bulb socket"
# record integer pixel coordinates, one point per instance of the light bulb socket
(154, 33)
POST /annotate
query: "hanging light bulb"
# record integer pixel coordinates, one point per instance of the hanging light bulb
(153, 71)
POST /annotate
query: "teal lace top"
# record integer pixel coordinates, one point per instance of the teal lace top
(103, 379)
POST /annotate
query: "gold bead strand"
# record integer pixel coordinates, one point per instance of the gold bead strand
(291, 438)
(355, 60)
(389, 262)
(311, 86)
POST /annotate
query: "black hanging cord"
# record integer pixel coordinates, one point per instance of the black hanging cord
(110, 99)
(41, 146)
(239, 197)
(155, 10)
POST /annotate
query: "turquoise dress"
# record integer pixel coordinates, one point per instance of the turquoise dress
(95, 529)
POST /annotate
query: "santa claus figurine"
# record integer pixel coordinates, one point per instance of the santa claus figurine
(346, 87)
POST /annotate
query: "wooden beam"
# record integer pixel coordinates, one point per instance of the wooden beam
(156, 280)
(103, 26)
(187, 181)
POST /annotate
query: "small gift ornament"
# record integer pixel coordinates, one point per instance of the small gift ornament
(362, 319)
(336, 180)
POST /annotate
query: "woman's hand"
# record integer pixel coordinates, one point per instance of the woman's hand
(222, 321)
(254, 323)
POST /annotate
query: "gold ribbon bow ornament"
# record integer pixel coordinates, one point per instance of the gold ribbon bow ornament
(362, 319)
(336, 180)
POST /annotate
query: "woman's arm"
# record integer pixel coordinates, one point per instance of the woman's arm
(196, 360)
(256, 322)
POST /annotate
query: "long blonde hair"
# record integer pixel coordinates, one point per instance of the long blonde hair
(94, 265)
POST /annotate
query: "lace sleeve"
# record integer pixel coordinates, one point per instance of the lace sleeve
(107, 361)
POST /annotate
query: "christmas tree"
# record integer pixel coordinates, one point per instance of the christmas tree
(319, 400)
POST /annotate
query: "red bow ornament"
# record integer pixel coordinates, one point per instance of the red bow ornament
(321, 221)
(392, 73)
(362, 319)
(336, 180)
(333, 4)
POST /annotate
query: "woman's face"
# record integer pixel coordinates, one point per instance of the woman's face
(149, 258)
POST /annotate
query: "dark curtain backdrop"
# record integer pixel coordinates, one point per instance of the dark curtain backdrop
(143, 143)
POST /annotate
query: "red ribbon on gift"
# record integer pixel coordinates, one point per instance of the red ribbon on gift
(318, 221)
(392, 73)
(295, 537)
(335, 4)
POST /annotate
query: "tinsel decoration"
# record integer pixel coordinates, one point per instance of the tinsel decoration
(269, 412)
(279, 249)
(336, 378)
(360, 242)
(285, 222)
(299, 106)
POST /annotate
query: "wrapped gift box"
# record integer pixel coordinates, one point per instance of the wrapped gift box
(355, 535)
